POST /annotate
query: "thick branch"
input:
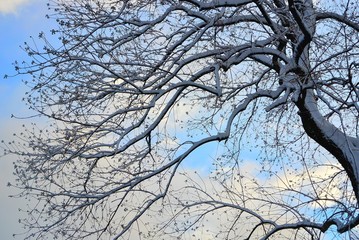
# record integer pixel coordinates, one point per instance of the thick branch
(216, 4)
(337, 17)
(344, 148)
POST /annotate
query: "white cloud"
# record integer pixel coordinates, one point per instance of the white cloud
(11, 6)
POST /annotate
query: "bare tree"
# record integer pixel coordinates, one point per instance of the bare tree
(137, 87)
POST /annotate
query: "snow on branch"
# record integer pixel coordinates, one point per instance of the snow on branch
(137, 96)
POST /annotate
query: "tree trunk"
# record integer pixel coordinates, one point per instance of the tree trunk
(343, 147)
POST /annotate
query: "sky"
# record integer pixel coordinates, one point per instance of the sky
(19, 19)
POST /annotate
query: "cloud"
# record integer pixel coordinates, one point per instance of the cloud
(11, 6)
(246, 190)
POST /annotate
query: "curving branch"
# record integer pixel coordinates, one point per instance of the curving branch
(139, 93)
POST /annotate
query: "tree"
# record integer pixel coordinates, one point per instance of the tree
(139, 87)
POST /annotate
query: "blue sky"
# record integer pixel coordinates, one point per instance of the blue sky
(19, 19)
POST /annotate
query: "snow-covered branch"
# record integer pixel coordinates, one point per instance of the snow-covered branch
(136, 94)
